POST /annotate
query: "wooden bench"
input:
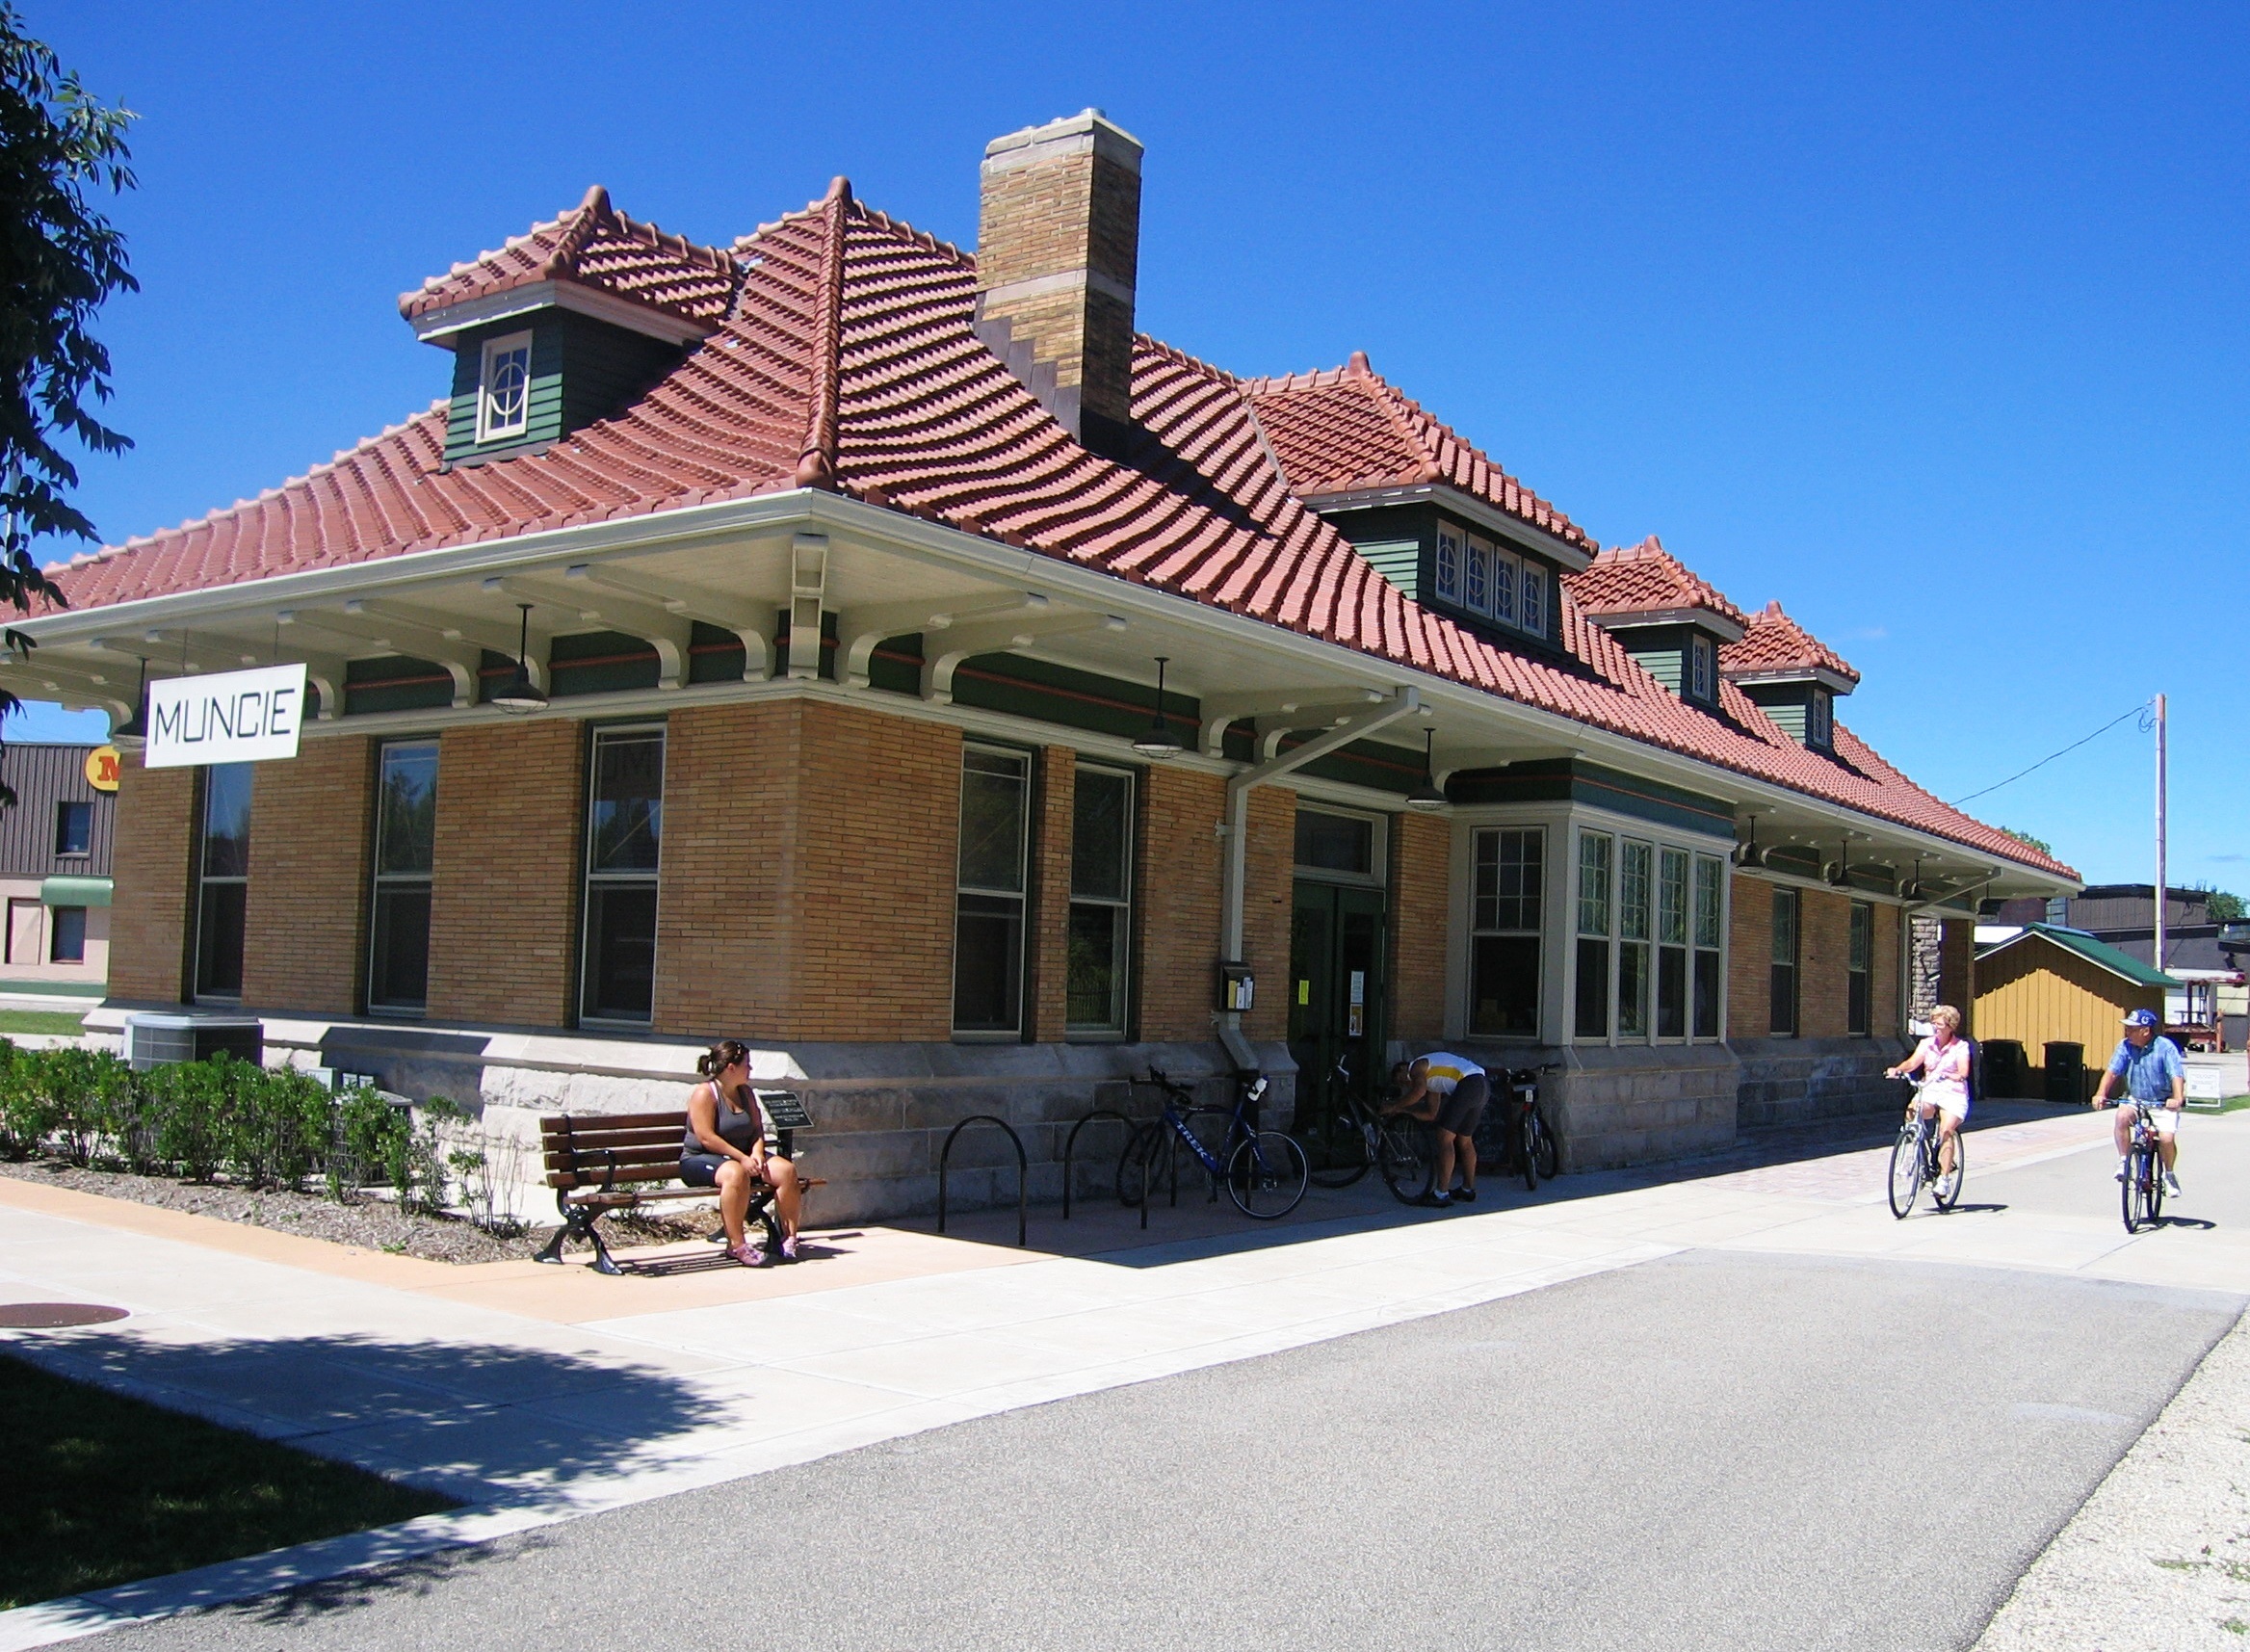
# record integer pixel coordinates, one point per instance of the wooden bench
(599, 1162)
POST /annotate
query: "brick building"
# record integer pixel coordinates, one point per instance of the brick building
(847, 562)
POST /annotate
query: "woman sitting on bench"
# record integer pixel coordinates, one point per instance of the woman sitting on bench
(725, 1148)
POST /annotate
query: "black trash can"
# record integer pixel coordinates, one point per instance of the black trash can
(2002, 1069)
(2066, 1074)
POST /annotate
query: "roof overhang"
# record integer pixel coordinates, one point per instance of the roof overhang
(1710, 619)
(1793, 676)
(2165, 979)
(1466, 505)
(241, 618)
(442, 326)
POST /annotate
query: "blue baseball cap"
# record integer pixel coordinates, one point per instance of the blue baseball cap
(2141, 1018)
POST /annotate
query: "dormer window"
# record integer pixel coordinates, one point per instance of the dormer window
(1821, 719)
(1449, 566)
(1702, 668)
(1477, 589)
(1506, 577)
(504, 388)
(1533, 599)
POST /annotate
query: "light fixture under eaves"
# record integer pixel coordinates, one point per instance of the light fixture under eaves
(133, 733)
(1427, 796)
(1159, 742)
(522, 696)
(1749, 854)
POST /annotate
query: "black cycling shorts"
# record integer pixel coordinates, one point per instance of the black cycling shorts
(1459, 1112)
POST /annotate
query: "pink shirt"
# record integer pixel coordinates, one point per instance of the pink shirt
(1947, 1071)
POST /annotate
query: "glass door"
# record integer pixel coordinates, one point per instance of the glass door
(1337, 1000)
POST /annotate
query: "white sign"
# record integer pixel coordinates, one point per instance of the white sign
(236, 716)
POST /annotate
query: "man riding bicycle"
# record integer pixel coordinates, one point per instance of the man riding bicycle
(1449, 1091)
(2154, 1076)
(1944, 1060)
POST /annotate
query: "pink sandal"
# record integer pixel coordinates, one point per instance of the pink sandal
(749, 1255)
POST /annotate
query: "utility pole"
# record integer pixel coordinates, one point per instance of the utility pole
(2163, 893)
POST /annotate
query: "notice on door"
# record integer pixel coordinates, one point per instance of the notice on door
(1358, 1018)
(235, 717)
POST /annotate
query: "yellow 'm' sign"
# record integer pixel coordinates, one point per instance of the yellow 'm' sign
(102, 764)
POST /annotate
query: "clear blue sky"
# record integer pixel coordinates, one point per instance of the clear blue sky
(1929, 321)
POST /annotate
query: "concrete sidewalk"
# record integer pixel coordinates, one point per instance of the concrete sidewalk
(539, 1394)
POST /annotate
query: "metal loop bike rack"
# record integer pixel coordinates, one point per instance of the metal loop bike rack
(1070, 1146)
(1023, 1171)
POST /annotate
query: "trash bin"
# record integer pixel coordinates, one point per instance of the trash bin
(2001, 1068)
(2066, 1074)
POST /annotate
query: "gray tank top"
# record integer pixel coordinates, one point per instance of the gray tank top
(737, 1128)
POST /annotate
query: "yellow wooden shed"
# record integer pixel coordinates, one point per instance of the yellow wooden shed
(2048, 985)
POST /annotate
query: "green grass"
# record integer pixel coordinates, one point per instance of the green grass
(96, 1489)
(42, 1021)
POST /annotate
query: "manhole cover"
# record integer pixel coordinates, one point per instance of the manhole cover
(54, 1316)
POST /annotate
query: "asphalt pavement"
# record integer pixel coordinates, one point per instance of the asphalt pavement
(1713, 1449)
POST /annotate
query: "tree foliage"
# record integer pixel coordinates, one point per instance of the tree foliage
(2038, 843)
(60, 258)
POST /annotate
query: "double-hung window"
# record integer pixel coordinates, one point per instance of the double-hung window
(1782, 1016)
(1863, 949)
(624, 832)
(222, 876)
(1449, 564)
(1504, 956)
(504, 387)
(1595, 855)
(1672, 944)
(988, 902)
(1101, 900)
(1636, 881)
(405, 844)
(1702, 668)
(1710, 911)
(1821, 719)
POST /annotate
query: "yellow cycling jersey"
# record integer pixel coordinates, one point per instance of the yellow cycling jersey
(1446, 1071)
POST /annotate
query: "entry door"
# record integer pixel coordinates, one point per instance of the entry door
(1337, 994)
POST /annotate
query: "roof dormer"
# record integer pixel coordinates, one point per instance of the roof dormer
(1674, 624)
(1792, 675)
(566, 324)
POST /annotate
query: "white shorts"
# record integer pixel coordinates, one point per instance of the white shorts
(2166, 1120)
(1947, 1107)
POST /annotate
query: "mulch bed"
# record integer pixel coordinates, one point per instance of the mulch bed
(369, 1224)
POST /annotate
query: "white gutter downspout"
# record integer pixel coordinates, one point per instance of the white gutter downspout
(1403, 702)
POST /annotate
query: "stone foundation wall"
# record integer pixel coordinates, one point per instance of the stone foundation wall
(1795, 1081)
(1633, 1106)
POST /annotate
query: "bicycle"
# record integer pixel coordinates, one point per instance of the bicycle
(1342, 1142)
(1535, 1144)
(1262, 1170)
(1914, 1164)
(2143, 1193)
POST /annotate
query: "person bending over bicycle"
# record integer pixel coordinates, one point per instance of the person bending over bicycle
(1943, 1059)
(1450, 1092)
(2152, 1074)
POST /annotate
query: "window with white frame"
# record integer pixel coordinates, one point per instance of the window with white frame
(1449, 564)
(223, 868)
(1672, 944)
(1508, 575)
(1821, 719)
(1596, 856)
(504, 387)
(1532, 600)
(1636, 891)
(1781, 991)
(405, 847)
(1702, 663)
(1857, 997)
(1101, 900)
(624, 834)
(1504, 945)
(1710, 913)
(1477, 589)
(988, 902)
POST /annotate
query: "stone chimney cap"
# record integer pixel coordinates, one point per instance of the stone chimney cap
(1072, 134)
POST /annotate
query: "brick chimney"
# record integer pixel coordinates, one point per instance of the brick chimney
(1057, 249)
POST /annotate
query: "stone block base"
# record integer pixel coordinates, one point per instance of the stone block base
(1797, 1081)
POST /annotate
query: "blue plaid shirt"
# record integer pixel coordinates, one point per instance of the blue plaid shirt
(2148, 1073)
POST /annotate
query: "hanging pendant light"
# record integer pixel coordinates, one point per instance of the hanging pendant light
(1840, 871)
(1427, 796)
(1749, 854)
(133, 734)
(1160, 742)
(522, 696)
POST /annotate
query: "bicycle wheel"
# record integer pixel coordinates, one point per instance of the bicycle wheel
(1906, 1163)
(1528, 1145)
(1338, 1149)
(2133, 1196)
(1946, 1189)
(1265, 1177)
(1133, 1164)
(2156, 1205)
(1550, 1153)
(1405, 1160)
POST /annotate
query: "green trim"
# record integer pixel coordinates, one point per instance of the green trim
(63, 890)
(1567, 779)
(54, 989)
(2098, 953)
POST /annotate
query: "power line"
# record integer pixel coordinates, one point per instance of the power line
(2140, 710)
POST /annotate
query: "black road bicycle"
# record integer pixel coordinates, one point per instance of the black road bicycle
(1262, 1170)
(1534, 1144)
(1914, 1165)
(2143, 1193)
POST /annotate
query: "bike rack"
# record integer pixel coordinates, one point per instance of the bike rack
(1070, 1148)
(1023, 1171)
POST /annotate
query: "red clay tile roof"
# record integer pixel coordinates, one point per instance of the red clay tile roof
(848, 357)
(1645, 579)
(593, 245)
(1773, 641)
(1347, 429)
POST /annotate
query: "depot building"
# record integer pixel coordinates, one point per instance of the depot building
(765, 640)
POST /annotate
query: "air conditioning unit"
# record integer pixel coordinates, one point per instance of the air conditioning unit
(156, 1040)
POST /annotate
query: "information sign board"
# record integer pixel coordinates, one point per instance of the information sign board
(233, 716)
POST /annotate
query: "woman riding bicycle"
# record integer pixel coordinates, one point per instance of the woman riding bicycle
(1943, 1059)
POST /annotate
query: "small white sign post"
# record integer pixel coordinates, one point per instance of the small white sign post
(235, 717)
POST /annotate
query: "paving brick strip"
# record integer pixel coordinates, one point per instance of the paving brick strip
(2159, 1558)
